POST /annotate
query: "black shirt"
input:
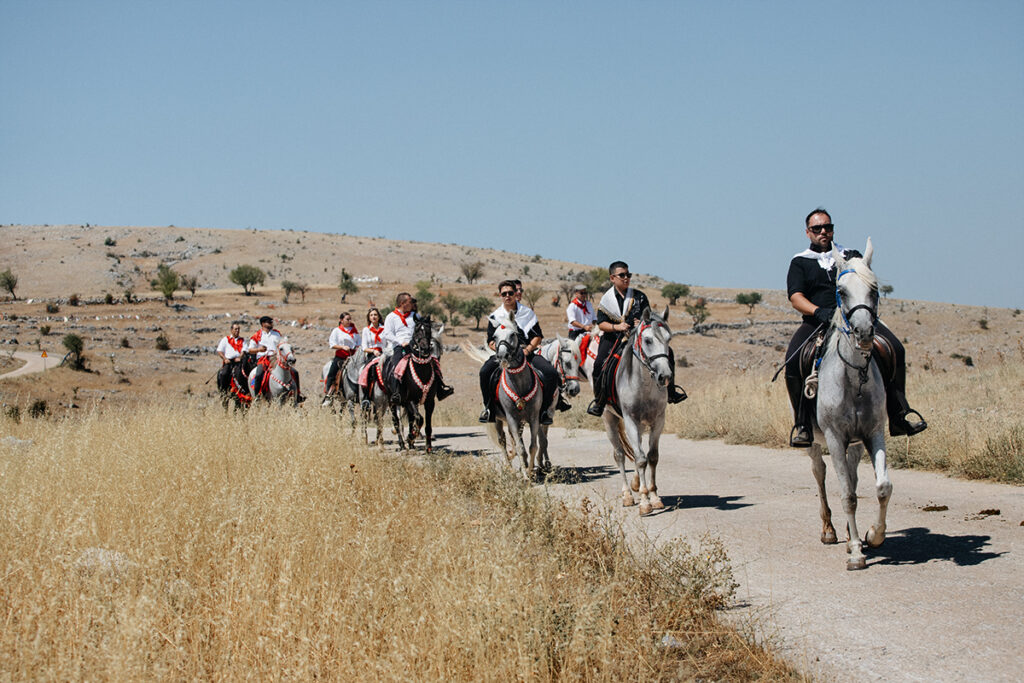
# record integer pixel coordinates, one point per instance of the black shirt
(640, 302)
(814, 282)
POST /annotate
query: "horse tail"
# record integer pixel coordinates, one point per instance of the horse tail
(627, 448)
(476, 353)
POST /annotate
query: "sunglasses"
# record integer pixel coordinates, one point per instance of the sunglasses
(508, 293)
(817, 229)
(624, 276)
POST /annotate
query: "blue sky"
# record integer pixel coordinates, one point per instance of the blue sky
(689, 139)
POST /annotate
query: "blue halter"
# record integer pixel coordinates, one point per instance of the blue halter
(839, 304)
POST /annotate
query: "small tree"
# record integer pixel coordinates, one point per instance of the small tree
(698, 310)
(749, 299)
(425, 304)
(347, 285)
(476, 308)
(288, 286)
(533, 294)
(453, 305)
(248, 277)
(9, 281)
(674, 291)
(886, 290)
(74, 344)
(166, 282)
(596, 279)
(191, 283)
(302, 288)
(472, 271)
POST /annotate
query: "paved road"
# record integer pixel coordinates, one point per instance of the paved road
(942, 599)
(33, 363)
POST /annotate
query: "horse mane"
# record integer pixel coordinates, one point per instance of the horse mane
(863, 271)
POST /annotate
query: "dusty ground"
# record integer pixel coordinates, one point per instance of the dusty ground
(939, 601)
(55, 262)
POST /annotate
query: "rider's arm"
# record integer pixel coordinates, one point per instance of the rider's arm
(802, 304)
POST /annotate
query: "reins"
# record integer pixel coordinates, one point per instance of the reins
(638, 350)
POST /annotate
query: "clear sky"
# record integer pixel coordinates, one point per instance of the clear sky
(689, 139)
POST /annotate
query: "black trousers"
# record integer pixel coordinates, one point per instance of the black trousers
(548, 376)
(895, 391)
(604, 349)
(224, 377)
(576, 332)
(333, 373)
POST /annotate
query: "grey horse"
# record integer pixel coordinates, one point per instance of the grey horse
(639, 401)
(348, 389)
(851, 404)
(279, 386)
(564, 355)
(519, 398)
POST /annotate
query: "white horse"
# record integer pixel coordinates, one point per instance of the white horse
(851, 404)
(564, 355)
(519, 398)
(639, 401)
(348, 385)
(280, 386)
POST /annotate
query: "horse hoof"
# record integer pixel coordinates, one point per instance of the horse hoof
(627, 501)
(855, 563)
(657, 504)
(874, 538)
(829, 537)
(645, 509)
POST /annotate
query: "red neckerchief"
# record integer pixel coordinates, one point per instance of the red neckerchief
(579, 303)
(259, 335)
(236, 343)
(376, 333)
(350, 330)
(399, 314)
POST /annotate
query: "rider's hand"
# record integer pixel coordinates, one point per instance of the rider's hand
(824, 314)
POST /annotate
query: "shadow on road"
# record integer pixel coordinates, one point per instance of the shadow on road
(581, 475)
(918, 545)
(717, 502)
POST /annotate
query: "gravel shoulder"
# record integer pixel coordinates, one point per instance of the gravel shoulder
(941, 600)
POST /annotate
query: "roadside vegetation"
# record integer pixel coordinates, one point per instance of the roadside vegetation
(975, 418)
(133, 549)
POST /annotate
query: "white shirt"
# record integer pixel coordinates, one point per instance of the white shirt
(268, 339)
(584, 316)
(398, 332)
(369, 340)
(347, 339)
(225, 348)
(524, 316)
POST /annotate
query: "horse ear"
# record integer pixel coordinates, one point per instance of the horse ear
(646, 315)
(838, 256)
(868, 251)
(440, 330)
(559, 337)
(665, 314)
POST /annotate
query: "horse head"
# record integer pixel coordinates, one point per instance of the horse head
(507, 345)
(650, 340)
(421, 338)
(436, 347)
(285, 355)
(567, 362)
(856, 298)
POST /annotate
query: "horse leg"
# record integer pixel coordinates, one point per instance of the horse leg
(534, 461)
(828, 532)
(542, 445)
(611, 425)
(652, 461)
(398, 426)
(515, 429)
(844, 460)
(883, 489)
(428, 412)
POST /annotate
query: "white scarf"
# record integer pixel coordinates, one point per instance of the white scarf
(524, 317)
(824, 258)
(610, 305)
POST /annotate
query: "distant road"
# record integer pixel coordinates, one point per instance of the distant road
(33, 363)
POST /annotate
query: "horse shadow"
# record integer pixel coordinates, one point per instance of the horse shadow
(581, 475)
(918, 545)
(704, 501)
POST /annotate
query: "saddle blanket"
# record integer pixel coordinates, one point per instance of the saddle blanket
(364, 374)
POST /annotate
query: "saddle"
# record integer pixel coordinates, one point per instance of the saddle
(881, 351)
(585, 340)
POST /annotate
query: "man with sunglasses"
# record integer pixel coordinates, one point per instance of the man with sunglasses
(530, 335)
(617, 313)
(811, 286)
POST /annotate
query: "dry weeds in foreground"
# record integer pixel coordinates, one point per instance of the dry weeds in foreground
(186, 544)
(975, 419)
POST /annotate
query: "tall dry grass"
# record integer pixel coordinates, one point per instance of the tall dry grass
(975, 418)
(186, 543)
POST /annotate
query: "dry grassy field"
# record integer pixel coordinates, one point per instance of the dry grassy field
(180, 542)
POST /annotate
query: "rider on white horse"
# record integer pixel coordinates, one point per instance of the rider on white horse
(531, 337)
(263, 344)
(344, 340)
(811, 286)
(230, 351)
(398, 328)
(619, 310)
(580, 313)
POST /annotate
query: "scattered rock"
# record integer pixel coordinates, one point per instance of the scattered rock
(935, 508)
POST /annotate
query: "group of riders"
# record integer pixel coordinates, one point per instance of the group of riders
(811, 288)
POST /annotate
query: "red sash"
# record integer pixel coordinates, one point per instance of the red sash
(236, 343)
(399, 314)
(345, 353)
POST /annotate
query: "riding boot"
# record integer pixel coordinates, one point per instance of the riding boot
(596, 407)
(562, 404)
(396, 394)
(675, 392)
(801, 435)
(899, 410)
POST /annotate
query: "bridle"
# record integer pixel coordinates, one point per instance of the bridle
(846, 329)
(638, 351)
(560, 366)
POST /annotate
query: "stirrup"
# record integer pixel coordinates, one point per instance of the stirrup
(562, 404)
(444, 391)
(676, 394)
(904, 428)
(798, 431)
(485, 416)
(596, 409)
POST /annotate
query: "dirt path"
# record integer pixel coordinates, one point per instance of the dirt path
(33, 363)
(942, 599)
